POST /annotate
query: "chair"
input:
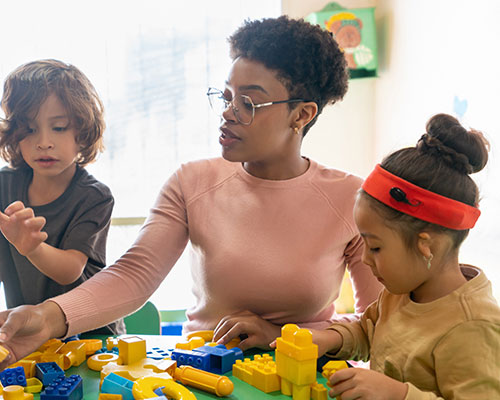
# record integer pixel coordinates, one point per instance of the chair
(145, 321)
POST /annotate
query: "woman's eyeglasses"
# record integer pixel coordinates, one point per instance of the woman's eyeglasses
(242, 105)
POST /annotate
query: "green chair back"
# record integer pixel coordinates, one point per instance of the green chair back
(145, 321)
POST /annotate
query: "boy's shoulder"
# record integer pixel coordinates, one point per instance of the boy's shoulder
(85, 181)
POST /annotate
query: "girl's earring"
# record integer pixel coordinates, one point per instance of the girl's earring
(428, 260)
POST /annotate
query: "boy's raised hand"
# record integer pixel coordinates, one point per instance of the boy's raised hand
(21, 228)
(360, 383)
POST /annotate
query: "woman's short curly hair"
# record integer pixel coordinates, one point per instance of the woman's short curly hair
(29, 85)
(306, 58)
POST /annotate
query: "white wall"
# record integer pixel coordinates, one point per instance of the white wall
(430, 51)
(345, 125)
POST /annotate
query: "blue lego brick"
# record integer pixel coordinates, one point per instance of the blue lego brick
(190, 357)
(158, 354)
(48, 371)
(13, 376)
(117, 384)
(221, 359)
(70, 388)
(171, 328)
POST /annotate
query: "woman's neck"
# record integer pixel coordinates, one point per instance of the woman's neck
(278, 171)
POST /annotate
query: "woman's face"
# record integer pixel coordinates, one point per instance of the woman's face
(269, 140)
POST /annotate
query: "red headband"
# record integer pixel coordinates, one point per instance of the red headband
(418, 202)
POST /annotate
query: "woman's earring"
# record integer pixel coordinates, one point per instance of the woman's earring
(428, 260)
(296, 130)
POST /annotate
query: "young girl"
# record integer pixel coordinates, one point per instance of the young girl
(434, 333)
(53, 127)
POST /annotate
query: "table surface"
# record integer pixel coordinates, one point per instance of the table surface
(242, 390)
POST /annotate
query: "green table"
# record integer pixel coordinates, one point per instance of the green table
(242, 390)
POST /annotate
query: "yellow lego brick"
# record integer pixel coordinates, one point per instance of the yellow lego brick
(15, 392)
(192, 343)
(74, 354)
(297, 343)
(50, 345)
(301, 392)
(243, 370)
(34, 356)
(297, 372)
(333, 366)
(110, 396)
(29, 367)
(91, 345)
(3, 353)
(265, 377)
(111, 342)
(131, 349)
(318, 392)
(33, 385)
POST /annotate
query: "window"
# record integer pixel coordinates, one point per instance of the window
(151, 62)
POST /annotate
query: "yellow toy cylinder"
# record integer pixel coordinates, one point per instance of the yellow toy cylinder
(212, 383)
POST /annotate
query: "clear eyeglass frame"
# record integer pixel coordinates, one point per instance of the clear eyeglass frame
(242, 105)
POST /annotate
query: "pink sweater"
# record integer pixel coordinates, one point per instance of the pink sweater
(276, 248)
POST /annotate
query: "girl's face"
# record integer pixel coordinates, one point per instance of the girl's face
(269, 140)
(50, 147)
(398, 268)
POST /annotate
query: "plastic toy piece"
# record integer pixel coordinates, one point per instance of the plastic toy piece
(99, 360)
(118, 385)
(47, 372)
(70, 388)
(217, 359)
(212, 383)
(318, 392)
(296, 361)
(191, 344)
(51, 345)
(260, 373)
(91, 345)
(145, 367)
(208, 336)
(16, 392)
(13, 376)
(144, 389)
(111, 342)
(74, 353)
(333, 366)
(57, 358)
(3, 353)
(33, 385)
(132, 349)
(110, 396)
(157, 354)
(28, 366)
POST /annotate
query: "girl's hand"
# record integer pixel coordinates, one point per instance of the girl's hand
(25, 328)
(359, 383)
(254, 330)
(21, 228)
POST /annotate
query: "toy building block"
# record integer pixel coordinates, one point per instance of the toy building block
(131, 349)
(51, 345)
(260, 373)
(52, 357)
(110, 396)
(144, 388)
(13, 376)
(34, 356)
(111, 342)
(190, 357)
(118, 385)
(74, 353)
(47, 372)
(91, 345)
(157, 354)
(16, 392)
(296, 361)
(333, 366)
(191, 344)
(3, 353)
(217, 359)
(33, 385)
(318, 392)
(28, 366)
(206, 381)
(70, 388)
(99, 360)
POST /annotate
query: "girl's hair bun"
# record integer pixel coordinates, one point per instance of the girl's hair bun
(463, 150)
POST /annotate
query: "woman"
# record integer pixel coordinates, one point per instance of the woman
(272, 231)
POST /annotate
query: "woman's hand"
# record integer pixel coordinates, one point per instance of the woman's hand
(25, 328)
(252, 329)
(359, 383)
(21, 228)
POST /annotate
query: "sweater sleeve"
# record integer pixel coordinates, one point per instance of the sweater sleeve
(365, 286)
(356, 335)
(123, 287)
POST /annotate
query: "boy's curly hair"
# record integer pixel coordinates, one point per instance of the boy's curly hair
(29, 85)
(306, 58)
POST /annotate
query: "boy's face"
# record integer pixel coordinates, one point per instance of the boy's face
(50, 147)
(398, 268)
